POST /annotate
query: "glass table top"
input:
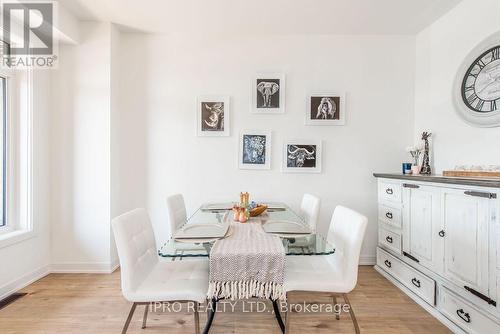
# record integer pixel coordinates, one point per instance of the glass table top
(310, 244)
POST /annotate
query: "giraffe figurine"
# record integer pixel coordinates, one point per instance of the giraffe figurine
(426, 168)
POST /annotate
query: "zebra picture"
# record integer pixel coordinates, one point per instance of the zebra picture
(255, 150)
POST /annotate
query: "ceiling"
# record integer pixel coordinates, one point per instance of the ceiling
(265, 16)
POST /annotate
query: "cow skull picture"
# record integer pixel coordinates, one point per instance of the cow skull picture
(297, 155)
(267, 90)
(302, 156)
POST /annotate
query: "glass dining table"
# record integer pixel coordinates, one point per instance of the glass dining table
(293, 244)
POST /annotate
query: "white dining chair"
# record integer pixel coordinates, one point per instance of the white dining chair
(176, 212)
(144, 278)
(309, 210)
(335, 274)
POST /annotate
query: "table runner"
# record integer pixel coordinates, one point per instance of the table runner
(248, 263)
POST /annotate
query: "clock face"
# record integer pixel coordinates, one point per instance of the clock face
(481, 83)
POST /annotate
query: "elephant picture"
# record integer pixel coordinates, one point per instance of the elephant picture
(268, 93)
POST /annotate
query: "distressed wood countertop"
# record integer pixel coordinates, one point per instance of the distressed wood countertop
(468, 181)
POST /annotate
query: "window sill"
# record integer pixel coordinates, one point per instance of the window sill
(13, 237)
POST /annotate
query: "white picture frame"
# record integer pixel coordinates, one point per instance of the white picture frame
(208, 116)
(275, 101)
(335, 103)
(250, 157)
(302, 156)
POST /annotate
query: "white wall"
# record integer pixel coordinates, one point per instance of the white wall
(80, 142)
(440, 50)
(163, 76)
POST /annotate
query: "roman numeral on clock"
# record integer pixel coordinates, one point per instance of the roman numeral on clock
(469, 88)
(495, 54)
(480, 64)
(473, 97)
(493, 105)
(480, 104)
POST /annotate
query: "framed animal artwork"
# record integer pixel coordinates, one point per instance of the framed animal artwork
(302, 156)
(326, 109)
(255, 149)
(268, 93)
(212, 116)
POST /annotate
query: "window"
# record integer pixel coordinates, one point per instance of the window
(15, 155)
(3, 149)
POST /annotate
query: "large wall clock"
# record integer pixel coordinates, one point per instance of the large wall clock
(477, 85)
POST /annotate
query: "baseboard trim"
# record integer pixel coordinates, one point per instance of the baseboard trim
(432, 310)
(23, 281)
(84, 267)
(367, 260)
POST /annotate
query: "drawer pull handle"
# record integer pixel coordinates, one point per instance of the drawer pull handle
(388, 263)
(481, 194)
(389, 191)
(464, 316)
(480, 295)
(441, 233)
(389, 239)
(416, 282)
(388, 215)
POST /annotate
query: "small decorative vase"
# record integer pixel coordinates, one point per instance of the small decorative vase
(415, 169)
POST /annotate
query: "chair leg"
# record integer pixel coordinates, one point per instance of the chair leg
(351, 312)
(337, 314)
(145, 318)
(196, 319)
(129, 318)
(287, 319)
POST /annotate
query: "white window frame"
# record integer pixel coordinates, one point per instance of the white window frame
(19, 143)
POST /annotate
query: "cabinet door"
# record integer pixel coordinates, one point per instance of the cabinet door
(422, 224)
(466, 220)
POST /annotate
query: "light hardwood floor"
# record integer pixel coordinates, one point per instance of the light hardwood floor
(92, 303)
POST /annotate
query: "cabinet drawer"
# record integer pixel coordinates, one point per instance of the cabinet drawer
(418, 283)
(389, 215)
(389, 191)
(464, 315)
(389, 239)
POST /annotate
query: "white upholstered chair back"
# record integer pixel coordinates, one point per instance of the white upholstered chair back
(176, 212)
(136, 245)
(309, 209)
(347, 231)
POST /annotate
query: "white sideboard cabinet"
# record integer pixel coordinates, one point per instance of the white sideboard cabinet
(439, 241)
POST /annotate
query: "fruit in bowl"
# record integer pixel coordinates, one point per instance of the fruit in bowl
(258, 210)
